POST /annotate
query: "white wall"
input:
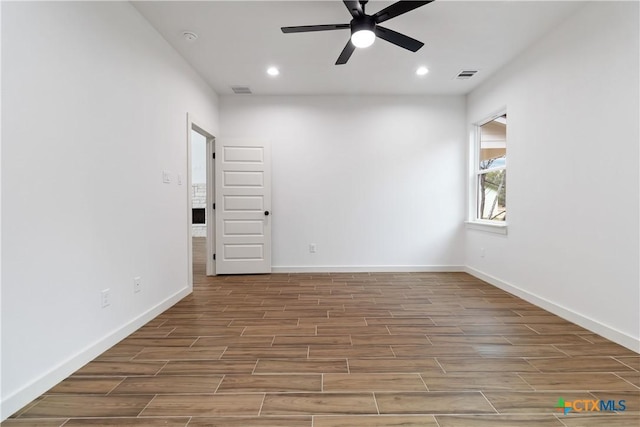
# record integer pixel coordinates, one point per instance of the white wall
(95, 106)
(375, 182)
(573, 114)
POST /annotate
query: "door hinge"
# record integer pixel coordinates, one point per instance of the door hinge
(214, 257)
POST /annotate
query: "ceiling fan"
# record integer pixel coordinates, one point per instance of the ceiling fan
(365, 28)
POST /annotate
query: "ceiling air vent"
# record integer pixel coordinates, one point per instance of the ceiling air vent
(241, 90)
(466, 74)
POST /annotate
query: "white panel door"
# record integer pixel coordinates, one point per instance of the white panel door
(243, 203)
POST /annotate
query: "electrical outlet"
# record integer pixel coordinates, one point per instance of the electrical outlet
(137, 284)
(482, 252)
(312, 248)
(105, 298)
(179, 177)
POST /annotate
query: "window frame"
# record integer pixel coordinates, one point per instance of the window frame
(474, 221)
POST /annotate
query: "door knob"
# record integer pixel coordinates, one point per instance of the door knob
(266, 213)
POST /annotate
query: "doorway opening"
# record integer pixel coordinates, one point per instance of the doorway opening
(201, 214)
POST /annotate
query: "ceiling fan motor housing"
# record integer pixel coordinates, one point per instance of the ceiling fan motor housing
(364, 22)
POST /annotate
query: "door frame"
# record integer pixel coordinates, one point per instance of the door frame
(195, 125)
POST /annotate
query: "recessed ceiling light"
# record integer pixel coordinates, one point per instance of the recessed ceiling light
(273, 71)
(422, 71)
(189, 36)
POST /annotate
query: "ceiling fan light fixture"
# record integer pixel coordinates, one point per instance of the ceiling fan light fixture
(365, 28)
(363, 38)
(362, 34)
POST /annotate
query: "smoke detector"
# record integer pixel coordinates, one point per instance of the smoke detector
(190, 36)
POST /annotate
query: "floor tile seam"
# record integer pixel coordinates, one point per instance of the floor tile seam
(465, 414)
(617, 375)
(555, 347)
(68, 419)
(436, 421)
(118, 385)
(393, 352)
(578, 371)
(576, 390)
(264, 396)
(109, 375)
(520, 375)
(178, 359)
(26, 408)
(430, 341)
(375, 401)
(423, 381)
(444, 371)
(613, 391)
(524, 414)
(220, 383)
(537, 370)
(557, 417)
(584, 338)
(170, 332)
(621, 361)
(147, 405)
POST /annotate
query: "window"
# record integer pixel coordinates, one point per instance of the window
(491, 170)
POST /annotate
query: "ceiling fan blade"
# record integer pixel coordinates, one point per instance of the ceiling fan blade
(309, 28)
(355, 8)
(398, 39)
(397, 9)
(346, 53)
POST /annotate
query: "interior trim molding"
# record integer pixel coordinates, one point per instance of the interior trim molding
(35, 388)
(368, 268)
(593, 325)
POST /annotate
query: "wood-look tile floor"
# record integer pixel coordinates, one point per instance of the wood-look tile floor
(330, 350)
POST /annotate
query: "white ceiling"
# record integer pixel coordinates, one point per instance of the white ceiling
(238, 40)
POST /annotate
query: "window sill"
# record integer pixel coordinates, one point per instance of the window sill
(487, 227)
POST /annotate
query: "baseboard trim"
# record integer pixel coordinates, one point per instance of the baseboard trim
(367, 268)
(26, 394)
(608, 332)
